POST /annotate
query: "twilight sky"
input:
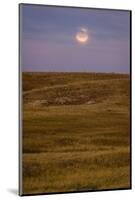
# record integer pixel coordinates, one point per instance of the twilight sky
(73, 39)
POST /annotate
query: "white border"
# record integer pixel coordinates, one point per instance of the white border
(9, 98)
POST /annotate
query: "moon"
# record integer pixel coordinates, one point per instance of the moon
(82, 36)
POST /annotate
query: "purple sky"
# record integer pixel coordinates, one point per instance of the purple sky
(48, 39)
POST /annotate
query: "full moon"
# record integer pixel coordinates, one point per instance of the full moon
(82, 36)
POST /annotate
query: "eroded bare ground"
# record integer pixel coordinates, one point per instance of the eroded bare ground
(76, 132)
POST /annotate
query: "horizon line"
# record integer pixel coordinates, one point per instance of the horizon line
(75, 72)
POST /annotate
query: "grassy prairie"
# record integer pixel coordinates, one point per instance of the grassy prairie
(76, 132)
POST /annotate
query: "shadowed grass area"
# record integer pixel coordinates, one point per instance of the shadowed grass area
(76, 132)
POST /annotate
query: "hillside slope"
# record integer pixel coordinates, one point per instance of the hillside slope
(76, 132)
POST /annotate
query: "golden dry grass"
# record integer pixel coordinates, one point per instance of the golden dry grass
(76, 132)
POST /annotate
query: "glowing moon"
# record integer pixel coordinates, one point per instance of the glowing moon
(82, 36)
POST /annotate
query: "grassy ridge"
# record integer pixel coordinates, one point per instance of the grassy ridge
(75, 132)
